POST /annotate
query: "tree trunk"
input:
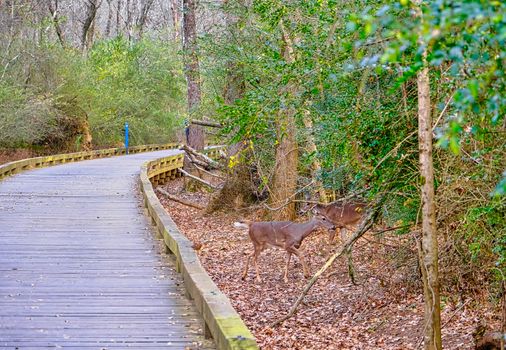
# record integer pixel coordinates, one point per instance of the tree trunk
(176, 15)
(128, 19)
(109, 19)
(429, 249)
(53, 9)
(190, 54)
(88, 25)
(143, 16)
(284, 183)
(118, 17)
(195, 136)
(237, 188)
(312, 149)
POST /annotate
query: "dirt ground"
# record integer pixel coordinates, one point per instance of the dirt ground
(7, 156)
(383, 311)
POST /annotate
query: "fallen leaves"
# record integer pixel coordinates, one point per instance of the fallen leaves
(384, 311)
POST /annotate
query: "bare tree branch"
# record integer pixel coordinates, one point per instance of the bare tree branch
(206, 123)
(180, 200)
(208, 162)
(364, 227)
(196, 178)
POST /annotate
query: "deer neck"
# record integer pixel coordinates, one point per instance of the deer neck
(308, 228)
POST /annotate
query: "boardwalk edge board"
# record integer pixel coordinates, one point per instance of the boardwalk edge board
(18, 166)
(222, 322)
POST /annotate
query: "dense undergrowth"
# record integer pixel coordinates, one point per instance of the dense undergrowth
(51, 97)
(353, 76)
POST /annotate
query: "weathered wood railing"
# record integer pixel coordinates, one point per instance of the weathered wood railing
(222, 321)
(40, 162)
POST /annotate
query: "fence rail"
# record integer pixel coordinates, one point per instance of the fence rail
(223, 323)
(18, 166)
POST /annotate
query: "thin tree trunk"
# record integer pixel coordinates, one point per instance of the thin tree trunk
(312, 149)
(109, 19)
(429, 249)
(175, 9)
(53, 10)
(190, 54)
(128, 19)
(88, 25)
(195, 136)
(143, 16)
(118, 18)
(287, 154)
(429, 258)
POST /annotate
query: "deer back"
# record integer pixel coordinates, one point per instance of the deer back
(342, 214)
(270, 232)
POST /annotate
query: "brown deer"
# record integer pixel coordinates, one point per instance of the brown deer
(343, 215)
(284, 234)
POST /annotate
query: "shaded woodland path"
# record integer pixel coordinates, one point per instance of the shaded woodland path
(79, 267)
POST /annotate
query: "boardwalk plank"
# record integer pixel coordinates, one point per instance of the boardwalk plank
(79, 267)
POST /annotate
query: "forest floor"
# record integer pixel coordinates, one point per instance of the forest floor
(7, 156)
(383, 311)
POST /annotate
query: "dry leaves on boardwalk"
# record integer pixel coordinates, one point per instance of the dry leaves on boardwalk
(385, 311)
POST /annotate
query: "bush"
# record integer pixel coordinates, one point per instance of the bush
(68, 93)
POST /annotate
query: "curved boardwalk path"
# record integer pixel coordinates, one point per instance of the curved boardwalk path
(79, 268)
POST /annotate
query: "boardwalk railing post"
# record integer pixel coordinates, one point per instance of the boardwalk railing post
(126, 137)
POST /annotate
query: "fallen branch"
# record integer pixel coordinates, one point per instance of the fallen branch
(209, 163)
(197, 162)
(206, 123)
(364, 227)
(179, 200)
(209, 173)
(198, 179)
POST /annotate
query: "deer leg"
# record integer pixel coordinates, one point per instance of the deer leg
(351, 268)
(247, 265)
(255, 258)
(302, 261)
(288, 257)
(343, 233)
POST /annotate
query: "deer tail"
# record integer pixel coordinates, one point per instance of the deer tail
(242, 224)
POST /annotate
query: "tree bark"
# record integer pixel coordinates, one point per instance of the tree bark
(429, 258)
(287, 154)
(143, 16)
(195, 133)
(190, 53)
(118, 17)
(128, 19)
(429, 248)
(176, 15)
(180, 200)
(88, 25)
(109, 19)
(195, 136)
(53, 10)
(311, 148)
(206, 123)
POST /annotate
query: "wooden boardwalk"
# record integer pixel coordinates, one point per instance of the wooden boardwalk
(79, 268)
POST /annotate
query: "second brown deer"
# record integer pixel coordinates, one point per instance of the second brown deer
(343, 215)
(284, 234)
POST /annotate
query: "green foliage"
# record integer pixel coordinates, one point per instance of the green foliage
(117, 81)
(25, 119)
(354, 75)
